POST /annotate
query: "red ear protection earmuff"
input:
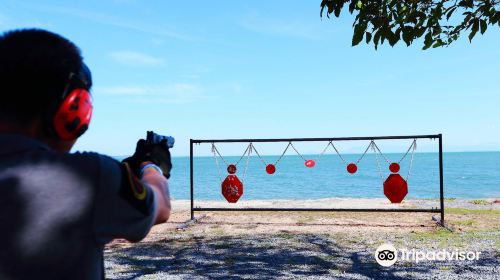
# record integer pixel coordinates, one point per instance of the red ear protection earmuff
(72, 117)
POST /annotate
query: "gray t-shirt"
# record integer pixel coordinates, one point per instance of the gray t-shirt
(58, 210)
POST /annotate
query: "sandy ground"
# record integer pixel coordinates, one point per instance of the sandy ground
(319, 245)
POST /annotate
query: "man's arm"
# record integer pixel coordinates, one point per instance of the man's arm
(159, 185)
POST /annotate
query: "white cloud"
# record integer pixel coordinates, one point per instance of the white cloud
(135, 58)
(175, 93)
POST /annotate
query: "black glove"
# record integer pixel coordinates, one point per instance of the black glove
(157, 153)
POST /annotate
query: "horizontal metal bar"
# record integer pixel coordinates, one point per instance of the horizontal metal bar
(434, 210)
(431, 136)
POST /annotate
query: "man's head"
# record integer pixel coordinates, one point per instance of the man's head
(37, 68)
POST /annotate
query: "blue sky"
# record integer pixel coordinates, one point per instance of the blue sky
(264, 69)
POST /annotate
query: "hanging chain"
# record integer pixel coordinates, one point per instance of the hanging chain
(297, 151)
(372, 145)
(290, 143)
(363, 155)
(258, 155)
(214, 151)
(375, 145)
(244, 153)
(414, 144)
(249, 149)
(337, 151)
(323, 152)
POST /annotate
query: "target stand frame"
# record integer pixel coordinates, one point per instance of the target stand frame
(258, 209)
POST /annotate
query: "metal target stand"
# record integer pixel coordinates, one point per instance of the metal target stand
(257, 209)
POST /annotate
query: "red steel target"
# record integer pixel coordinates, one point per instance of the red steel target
(394, 167)
(310, 163)
(352, 168)
(231, 169)
(270, 168)
(232, 188)
(395, 188)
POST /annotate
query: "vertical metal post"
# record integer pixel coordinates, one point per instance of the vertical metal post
(191, 176)
(441, 187)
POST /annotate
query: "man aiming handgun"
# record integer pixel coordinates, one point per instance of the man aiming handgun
(59, 209)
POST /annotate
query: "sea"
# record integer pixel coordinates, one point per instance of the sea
(467, 175)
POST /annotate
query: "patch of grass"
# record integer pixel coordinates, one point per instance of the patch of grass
(286, 235)
(433, 234)
(445, 238)
(480, 202)
(428, 198)
(468, 222)
(440, 235)
(471, 211)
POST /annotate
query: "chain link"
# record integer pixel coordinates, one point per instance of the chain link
(372, 145)
(287, 146)
(258, 155)
(414, 144)
(244, 153)
(249, 149)
(337, 151)
(323, 152)
(293, 147)
(214, 149)
(375, 145)
(363, 155)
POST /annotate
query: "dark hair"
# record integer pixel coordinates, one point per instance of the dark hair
(34, 69)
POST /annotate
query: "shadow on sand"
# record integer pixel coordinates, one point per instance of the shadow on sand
(264, 257)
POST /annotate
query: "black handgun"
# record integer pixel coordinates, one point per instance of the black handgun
(154, 139)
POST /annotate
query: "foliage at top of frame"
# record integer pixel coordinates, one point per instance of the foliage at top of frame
(440, 22)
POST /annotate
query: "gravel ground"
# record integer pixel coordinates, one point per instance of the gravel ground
(310, 246)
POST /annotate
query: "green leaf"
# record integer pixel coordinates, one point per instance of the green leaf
(408, 35)
(419, 32)
(438, 43)
(359, 5)
(368, 37)
(475, 28)
(359, 31)
(428, 40)
(484, 26)
(376, 38)
(392, 38)
(337, 10)
(450, 13)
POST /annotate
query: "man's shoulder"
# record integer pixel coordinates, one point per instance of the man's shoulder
(88, 156)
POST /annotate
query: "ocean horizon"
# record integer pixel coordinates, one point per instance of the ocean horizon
(467, 175)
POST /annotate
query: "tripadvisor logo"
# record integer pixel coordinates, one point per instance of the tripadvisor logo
(387, 255)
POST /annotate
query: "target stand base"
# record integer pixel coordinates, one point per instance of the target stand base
(439, 223)
(190, 222)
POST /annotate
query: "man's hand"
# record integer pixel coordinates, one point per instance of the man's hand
(157, 153)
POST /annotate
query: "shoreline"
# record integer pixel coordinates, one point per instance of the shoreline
(348, 203)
